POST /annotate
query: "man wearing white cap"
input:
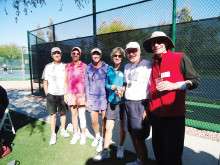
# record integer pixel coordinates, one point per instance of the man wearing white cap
(172, 74)
(53, 82)
(137, 92)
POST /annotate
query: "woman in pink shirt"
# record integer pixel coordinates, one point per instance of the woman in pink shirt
(74, 89)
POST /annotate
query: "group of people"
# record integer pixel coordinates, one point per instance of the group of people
(140, 94)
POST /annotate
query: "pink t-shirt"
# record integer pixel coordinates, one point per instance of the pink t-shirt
(76, 78)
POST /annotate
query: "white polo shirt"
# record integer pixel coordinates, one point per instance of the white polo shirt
(137, 78)
(55, 75)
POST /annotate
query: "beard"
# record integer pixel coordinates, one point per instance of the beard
(133, 59)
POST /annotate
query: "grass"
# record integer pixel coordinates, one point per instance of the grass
(30, 145)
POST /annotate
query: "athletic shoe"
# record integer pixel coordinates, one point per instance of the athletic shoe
(75, 138)
(120, 152)
(134, 163)
(100, 146)
(53, 139)
(82, 139)
(104, 154)
(64, 133)
(95, 142)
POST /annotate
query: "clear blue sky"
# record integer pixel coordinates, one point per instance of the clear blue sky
(11, 32)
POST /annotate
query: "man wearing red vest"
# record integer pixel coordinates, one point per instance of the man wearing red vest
(172, 74)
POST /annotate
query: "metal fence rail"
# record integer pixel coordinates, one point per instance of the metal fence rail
(198, 37)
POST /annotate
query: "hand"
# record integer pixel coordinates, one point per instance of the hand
(167, 86)
(145, 116)
(88, 103)
(119, 92)
(113, 87)
(65, 99)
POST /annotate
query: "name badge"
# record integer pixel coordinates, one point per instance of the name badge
(165, 74)
(121, 74)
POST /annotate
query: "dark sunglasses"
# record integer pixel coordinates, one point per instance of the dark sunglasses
(119, 56)
(132, 51)
(75, 53)
(157, 41)
(96, 53)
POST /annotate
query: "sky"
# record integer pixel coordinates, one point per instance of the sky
(12, 32)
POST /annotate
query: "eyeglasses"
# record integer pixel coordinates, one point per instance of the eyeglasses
(119, 56)
(75, 53)
(132, 51)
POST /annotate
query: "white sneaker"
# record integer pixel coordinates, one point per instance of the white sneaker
(53, 139)
(100, 146)
(134, 163)
(120, 152)
(95, 142)
(82, 139)
(75, 138)
(64, 133)
(104, 154)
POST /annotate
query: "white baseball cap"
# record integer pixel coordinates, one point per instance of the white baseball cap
(54, 49)
(134, 45)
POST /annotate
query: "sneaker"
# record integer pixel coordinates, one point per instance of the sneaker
(120, 152)
(75, 138)
(100, 146)
(104, 154)
(53, 139)
(134, 163)
(95, 142)
(82, 139)
(64, 133)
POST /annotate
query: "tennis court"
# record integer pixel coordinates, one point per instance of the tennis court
(13, 75)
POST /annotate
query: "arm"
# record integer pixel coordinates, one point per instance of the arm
(45, 84)
(87, 84)
(66, 81)
(191, 77)
(65, 84)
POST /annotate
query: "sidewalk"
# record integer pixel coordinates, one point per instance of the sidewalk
(197, 151)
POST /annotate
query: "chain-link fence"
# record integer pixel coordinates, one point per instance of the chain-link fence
(196, 32)
(15, 68)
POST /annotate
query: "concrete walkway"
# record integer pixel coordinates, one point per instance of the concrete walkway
(197, 151)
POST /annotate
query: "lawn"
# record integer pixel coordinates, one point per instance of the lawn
(30, 146)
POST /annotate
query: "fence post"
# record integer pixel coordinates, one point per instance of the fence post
(30, 61)
(174, 24)
(54, 36)
(94, 23)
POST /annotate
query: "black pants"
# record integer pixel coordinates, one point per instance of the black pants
(168, 139)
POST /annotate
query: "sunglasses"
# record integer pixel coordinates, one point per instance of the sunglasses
(157, 41)
(75, 53)
(119, 56)
(94, 53)
(132, 51)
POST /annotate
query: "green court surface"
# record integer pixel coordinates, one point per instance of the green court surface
(202, 115)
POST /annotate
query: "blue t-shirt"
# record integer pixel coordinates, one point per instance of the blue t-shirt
(114, 78)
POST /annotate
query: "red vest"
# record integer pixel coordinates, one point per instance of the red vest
(167, 103)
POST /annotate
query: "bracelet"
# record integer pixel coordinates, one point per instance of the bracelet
(182, 85)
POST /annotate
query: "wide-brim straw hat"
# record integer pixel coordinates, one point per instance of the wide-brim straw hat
(156, 35)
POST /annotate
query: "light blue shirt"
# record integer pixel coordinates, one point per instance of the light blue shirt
(114, 78)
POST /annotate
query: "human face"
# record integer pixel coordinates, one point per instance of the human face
(133, 55)
(117, 58)
(56, 57)
(159, 47)
(96, 57)
(75, 55)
